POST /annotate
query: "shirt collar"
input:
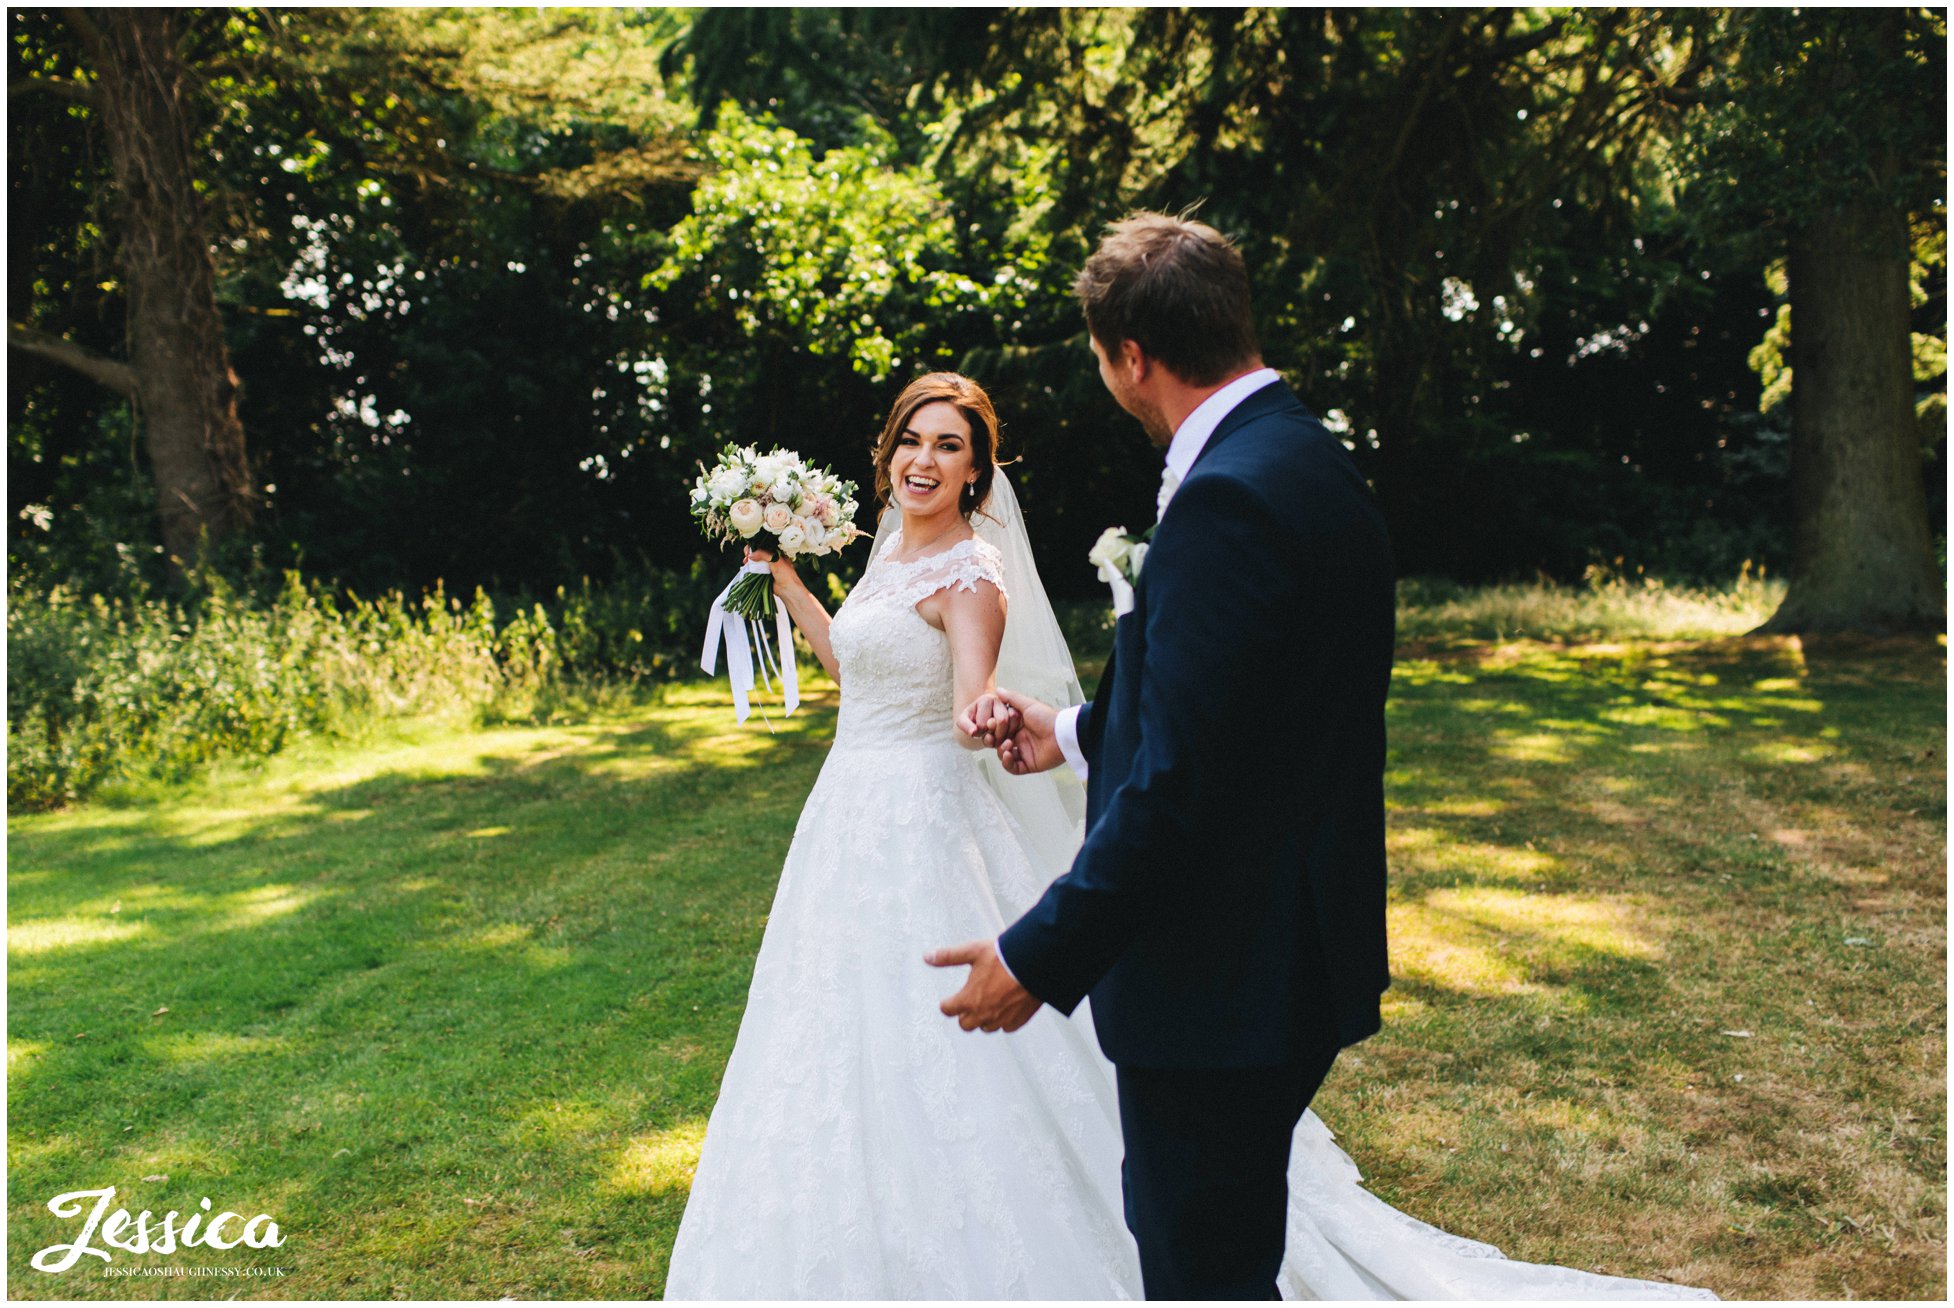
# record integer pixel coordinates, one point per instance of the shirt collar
(1192, 435)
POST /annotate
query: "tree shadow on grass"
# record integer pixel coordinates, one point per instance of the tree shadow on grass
(1566, 824)
(460, 1020)
(499, 968)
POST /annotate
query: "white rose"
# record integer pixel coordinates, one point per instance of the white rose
(746, 516)
(1110, 550)
(777, 517)
(817, 535)
(793, 540)
(699, 494)
(726, 484)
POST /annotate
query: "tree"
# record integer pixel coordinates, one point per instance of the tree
(177, 371)
(425, 233)
(1828, 135)
(1417, 191)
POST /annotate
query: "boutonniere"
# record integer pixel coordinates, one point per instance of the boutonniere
(1119, 556)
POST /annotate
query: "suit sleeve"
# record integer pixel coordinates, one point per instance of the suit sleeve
(1219, 579)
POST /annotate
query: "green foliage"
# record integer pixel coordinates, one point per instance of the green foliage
(847, 255)
(103, 689)
(1606, 606)
(1818, 109)
(494, 280)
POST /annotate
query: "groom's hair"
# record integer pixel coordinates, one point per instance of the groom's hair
(1177, 288)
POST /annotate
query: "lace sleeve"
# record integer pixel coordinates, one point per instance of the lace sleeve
(962, 566)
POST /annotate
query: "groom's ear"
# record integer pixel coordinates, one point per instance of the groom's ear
(1134, 361)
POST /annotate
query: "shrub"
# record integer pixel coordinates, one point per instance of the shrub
(104, 688)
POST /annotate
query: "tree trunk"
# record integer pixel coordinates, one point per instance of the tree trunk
(186, 392)
(1862, 555)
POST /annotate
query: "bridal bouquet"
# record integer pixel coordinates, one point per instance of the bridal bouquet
(772, 501)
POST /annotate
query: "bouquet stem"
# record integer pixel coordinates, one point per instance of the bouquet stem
(752, 597)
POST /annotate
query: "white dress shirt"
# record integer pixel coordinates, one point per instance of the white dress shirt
(1190, 438)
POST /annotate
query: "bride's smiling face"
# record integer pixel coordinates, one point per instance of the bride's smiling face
(932, 462)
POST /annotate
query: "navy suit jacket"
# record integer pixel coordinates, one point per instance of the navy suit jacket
(1227, 906)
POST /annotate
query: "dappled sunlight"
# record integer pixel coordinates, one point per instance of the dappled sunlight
(1477, 705)
(1426, 945)
(499, 936)
(1636, 814)
(1400, 1004)
(727, 751)
(1671, 746)
(24, 1055)
(204, 828)
(25, 1151)
(1663, 717)
(1799, 705)
(556, 1122)
(525, 955)
(1532, 747)
(1601, 926)
(1576, 725)
(1427, 849)
(53, 935)
(1430, 672)
(262, 903)
(660, 1163)
(212, 1046)
(1488, 940)
(532, 953)
(1465, 807)
(1785, 751)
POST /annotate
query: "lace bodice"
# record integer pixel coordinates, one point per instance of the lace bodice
(898, 683)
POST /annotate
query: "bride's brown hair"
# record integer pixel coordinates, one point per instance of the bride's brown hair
(975, 406)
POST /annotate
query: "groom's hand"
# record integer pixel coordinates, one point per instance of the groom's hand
(990, 998)
(1032, 745)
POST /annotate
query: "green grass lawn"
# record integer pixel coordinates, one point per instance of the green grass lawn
(451, 1004)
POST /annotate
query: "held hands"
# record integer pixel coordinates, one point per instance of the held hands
(989, 719)
(991, 999)
(1018, 727)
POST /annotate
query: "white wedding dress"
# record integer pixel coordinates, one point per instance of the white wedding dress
(865, 1147)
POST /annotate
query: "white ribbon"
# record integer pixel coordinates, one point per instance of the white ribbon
(1122, 588)
(740, 645)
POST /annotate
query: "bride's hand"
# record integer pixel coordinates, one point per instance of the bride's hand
(784, 577)
(990, 720)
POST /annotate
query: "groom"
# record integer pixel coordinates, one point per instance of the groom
(1226, 911)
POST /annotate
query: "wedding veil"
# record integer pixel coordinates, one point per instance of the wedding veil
(1049, 807)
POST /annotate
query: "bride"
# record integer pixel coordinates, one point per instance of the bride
(864, 1148)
